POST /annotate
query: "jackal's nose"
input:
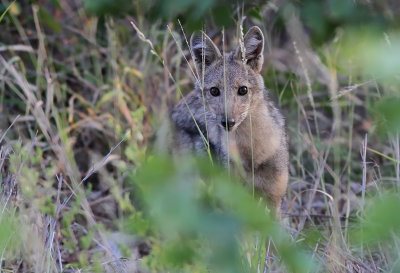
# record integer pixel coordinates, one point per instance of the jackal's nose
(228, 123)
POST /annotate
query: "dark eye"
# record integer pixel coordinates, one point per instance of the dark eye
(242, 90)
(214, 91)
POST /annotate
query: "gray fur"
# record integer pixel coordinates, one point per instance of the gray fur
(267, 128)
(204, 50)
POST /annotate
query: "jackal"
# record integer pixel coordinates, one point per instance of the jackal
(230, 110)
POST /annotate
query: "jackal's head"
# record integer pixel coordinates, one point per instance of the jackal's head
(230, 83)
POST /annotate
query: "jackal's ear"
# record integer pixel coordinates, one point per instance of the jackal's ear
(204, 50)
(253, 48)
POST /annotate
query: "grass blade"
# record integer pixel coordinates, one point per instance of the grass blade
(5, 12)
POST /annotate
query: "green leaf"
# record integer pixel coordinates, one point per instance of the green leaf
(8, 233)
(4, 13)
(49, 20)
(387, 115)
(107, 7)
(201, 212)
(380, 221)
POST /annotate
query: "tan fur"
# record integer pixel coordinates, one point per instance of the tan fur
(262, 129)
(258, 135)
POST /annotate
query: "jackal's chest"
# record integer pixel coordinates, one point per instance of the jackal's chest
(255, 145)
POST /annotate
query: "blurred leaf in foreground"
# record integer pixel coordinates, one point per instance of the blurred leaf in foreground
(202, 214)
(8, 235)
(387, 114)
(375, 55)
(108, 7)
(323, 18)
(381, 221)
(373, 52)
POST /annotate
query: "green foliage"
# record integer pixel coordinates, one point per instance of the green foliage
(136, 223)
(5, 11)
(66, 230)
(192, 13)
(202, 214)
(380, 223)
(48, 207)
(108, 7)
(387, 114)
(376, 55)
(377, 51)
(9, 234)
(86, 240)
(47, 19)
(324, 17)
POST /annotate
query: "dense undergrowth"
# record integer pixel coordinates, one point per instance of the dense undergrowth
(82, 93)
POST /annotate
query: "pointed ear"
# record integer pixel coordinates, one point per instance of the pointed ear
(203, 49)
(253, 43)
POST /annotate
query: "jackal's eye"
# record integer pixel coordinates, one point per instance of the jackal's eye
(242, 90)
(214, 91)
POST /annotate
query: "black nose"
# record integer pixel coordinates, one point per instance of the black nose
(228, 123)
